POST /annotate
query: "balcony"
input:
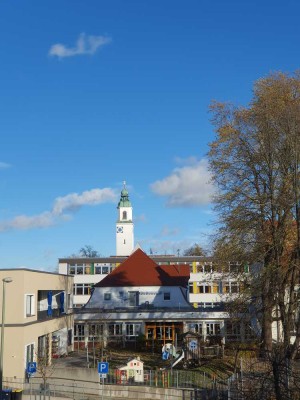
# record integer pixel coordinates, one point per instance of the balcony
(51, 304)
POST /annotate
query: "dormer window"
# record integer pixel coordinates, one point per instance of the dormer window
(107, 296)
(167, 296)
(124, 214)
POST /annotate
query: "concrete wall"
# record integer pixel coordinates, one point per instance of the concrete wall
(17, 338)
(87, 382)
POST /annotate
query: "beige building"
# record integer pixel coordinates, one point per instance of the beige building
(38, 321)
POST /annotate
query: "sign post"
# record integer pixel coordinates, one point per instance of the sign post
(103, 371)
(31, 370)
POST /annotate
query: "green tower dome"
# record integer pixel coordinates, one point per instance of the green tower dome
(124, 200)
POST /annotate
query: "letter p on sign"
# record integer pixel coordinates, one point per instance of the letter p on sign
(102, 367)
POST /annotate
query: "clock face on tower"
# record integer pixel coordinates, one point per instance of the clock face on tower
(120, 229)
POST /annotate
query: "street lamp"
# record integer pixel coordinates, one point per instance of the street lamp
(4, 280)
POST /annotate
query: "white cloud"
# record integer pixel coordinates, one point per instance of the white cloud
(68, 203)
(85, 45)
(4, 165)
(189, 185)
(74, 201)
(24, 222)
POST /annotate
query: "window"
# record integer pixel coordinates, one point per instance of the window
(42, 346)
(234, 287)
(103, 269)
(191, 287)
(230, 287)
(233, 330)
(168, 332)
(204, 289)
(167, 296)
(82, 288)
(199, 268)
(215, 287)
(207, 268)
(29, 350)
(132, 330)
(196, 327)
(79, 332)
(29, 304)
(124, 214)
(70, 337)
(107, 296)
(95, 331)
(235, 267)
(213, 329)
(72, 269)
(115, 329)
(79, 269)
(133, 299)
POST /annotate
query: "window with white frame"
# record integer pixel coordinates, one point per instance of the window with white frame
(231, 287)
(115, 329)
(196, 327)
(29, 353)
(29, 305)
(132, 330)
(213, 329)
(102, 269)
(79, 269)
(205, 288)
(82, 288)
(79, 332)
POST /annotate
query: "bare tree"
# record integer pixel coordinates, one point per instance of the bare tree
(255, 162)
(195, 250)
(88, 251)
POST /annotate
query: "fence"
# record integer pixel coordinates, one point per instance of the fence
(166, 385)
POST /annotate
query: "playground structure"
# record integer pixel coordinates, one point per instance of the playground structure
(192, 350)
(133, 371)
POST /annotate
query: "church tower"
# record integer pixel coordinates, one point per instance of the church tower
(124, 225)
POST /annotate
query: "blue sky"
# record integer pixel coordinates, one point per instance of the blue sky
(93, 93)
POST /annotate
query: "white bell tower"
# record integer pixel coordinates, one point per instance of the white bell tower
(124, 225)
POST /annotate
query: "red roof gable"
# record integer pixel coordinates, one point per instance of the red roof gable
(140, 270)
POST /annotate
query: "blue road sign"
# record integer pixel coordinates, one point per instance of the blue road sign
(31, 368)
(102, 367)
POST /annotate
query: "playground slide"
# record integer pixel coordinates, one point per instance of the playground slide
(178, 359)
(175, 362)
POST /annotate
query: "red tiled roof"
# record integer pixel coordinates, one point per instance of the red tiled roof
(140, 270)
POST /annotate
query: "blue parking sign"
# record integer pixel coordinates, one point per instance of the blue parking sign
(102, 367)
(31, 368)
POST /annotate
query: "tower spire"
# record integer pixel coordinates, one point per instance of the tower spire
(124, 225)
